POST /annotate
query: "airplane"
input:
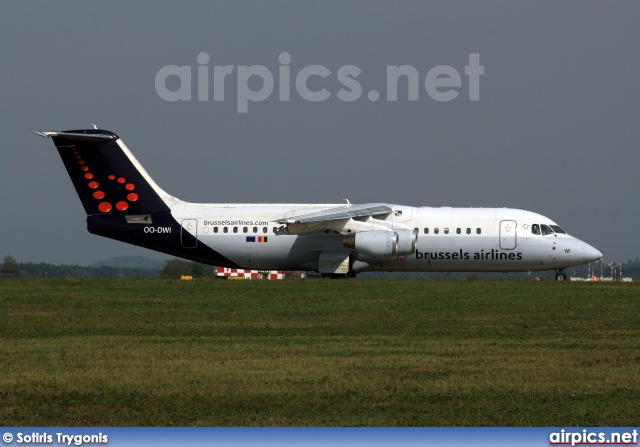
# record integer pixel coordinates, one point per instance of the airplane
(122, 202)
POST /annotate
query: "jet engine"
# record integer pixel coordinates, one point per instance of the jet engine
(407, 240)
(383, 243)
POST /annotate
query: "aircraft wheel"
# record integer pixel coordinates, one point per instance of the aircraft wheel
(561, 276)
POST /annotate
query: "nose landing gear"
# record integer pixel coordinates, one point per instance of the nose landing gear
(560, 275)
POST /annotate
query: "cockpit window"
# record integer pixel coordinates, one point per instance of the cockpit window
(546, 230)
(557, 229)
(535, 229)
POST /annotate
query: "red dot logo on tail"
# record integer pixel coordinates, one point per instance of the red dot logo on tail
(107, 207)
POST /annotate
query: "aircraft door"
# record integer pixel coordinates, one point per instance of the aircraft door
(508, 236)
(189, 233)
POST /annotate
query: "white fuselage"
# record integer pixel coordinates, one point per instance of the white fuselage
(449, 239)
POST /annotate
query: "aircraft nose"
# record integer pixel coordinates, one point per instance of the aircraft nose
(590, 254)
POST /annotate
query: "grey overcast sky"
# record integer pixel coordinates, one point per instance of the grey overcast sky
(556, 128)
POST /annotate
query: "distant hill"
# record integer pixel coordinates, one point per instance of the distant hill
(131, 262)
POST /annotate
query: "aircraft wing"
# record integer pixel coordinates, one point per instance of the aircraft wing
(343, 219)
(344, 212)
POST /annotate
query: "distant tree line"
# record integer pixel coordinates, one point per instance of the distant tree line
(172, 268)
(46, 270)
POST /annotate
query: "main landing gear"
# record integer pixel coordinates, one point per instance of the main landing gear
(560, 275)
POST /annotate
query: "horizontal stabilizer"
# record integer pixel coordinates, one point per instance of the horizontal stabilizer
(75, 136)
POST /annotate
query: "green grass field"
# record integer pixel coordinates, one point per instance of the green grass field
(318, 352)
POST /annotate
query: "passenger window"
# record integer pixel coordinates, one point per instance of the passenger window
(265, 229)
(226, 229)
(426, 231)
(446, 231)
(245, 229)
(535, 229)
(215, 229)
(468, 230)
(458, 231)
(436, 230)
(255, 229)
(235, 229)
(274, 230)
(478, 231)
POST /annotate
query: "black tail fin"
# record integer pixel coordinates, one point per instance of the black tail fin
(121, 200)
(107, 177)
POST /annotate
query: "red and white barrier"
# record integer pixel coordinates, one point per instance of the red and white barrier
(249, 274)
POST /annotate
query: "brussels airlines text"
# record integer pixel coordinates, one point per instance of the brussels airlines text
(463, 255)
